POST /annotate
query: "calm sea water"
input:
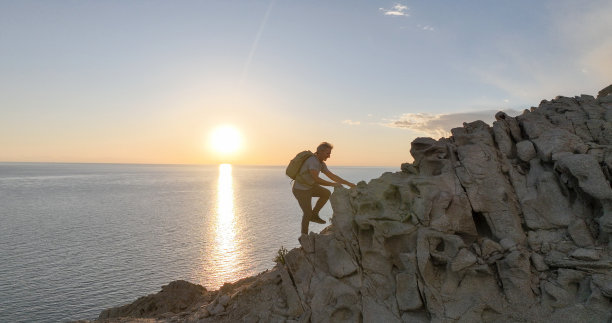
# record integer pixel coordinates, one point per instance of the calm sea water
(79, 238)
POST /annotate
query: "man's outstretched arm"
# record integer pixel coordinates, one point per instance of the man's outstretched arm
(320, 181)
(338, 179)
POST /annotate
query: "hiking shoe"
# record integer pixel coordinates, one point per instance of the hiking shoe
(317, 219)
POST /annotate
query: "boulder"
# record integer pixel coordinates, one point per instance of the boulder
(525, 150)
(176, 297)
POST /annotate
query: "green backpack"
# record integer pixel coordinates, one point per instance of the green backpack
(293, 169)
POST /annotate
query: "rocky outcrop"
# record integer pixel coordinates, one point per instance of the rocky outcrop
(509, 223)
(176, 297)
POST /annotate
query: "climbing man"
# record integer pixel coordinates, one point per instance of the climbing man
(308, 185)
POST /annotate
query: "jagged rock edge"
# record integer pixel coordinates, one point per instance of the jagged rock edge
(546, 300)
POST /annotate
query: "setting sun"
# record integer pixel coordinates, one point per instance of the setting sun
(225, 139)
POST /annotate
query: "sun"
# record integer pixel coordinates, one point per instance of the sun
(225, 139)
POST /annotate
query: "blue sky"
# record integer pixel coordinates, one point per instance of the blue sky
(145, 81)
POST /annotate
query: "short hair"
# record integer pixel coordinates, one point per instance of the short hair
(324, 145)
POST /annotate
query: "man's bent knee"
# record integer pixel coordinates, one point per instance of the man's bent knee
(326, 193)
(321, 192)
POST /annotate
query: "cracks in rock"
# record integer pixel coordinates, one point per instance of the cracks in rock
(482, 226)
(292, 279)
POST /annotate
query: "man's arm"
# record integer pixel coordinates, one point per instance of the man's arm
(337, 178)
(319, 180)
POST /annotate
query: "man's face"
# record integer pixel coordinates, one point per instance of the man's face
(324, 154)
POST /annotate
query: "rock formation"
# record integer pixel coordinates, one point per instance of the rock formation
(509, 223)
(178, 296)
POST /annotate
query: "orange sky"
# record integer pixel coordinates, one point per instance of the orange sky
(124, 82)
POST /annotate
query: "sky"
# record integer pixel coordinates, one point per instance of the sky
(147, 81)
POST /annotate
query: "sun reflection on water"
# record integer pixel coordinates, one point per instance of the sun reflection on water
(226, 250)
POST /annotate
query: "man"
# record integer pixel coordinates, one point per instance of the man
(308, 185)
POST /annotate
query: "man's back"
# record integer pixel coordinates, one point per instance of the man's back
(304, 181)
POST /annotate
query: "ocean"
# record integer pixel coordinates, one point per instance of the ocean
(76, 239)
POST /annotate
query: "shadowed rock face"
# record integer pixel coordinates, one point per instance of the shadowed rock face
(496, 224)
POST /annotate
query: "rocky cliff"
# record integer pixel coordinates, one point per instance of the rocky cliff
(509, 223)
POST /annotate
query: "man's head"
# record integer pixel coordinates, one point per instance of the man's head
(324, 150)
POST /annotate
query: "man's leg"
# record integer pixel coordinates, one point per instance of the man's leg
(323, 195)
(304, 198)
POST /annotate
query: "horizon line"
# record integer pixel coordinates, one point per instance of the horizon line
(178, 164)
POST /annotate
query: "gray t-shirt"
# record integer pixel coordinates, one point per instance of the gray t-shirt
(305, 180)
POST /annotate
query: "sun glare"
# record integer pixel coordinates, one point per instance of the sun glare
(225, 139)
